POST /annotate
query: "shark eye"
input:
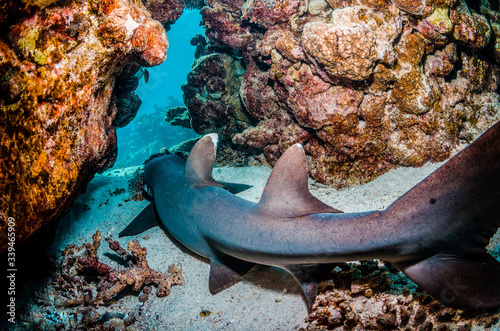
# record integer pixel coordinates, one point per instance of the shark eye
(148, 190)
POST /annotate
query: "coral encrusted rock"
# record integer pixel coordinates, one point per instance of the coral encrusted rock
(364, 85)
(372, 295)
(58, 62)
(210, 92)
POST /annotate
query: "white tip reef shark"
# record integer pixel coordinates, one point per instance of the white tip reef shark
(436, 233)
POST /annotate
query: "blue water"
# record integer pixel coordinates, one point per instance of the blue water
(148, 132)
(166, 79)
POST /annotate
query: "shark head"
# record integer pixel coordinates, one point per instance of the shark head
(156, 171)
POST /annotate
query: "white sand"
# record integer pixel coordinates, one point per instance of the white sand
(266, 298)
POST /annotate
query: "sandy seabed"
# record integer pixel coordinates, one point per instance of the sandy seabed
(266, 298)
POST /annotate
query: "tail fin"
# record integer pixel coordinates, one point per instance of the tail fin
(460, 199)
(459, 281)
(460, 204)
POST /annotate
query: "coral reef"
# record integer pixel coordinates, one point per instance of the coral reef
(126, 100)
(194, 4)
(83, 283)
(59, 101)
(364, 85)
(166, 12)
(211, 94)
(178, 116)
(371, 295)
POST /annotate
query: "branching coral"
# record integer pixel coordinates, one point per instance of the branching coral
(84, 280)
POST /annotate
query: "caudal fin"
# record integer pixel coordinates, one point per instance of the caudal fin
(459, 207)
(459, 281)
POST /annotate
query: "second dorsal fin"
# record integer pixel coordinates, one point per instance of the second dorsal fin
(286, 193)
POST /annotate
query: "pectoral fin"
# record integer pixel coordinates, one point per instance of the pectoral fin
(146, 220)
(225, 270)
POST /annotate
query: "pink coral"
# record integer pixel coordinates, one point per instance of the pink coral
(267, 13)
(165, 12)
(223, 24)
(316, 104)
(364, 85)
(349, 46)
(473, 30)
(352, 298)
(415, 7)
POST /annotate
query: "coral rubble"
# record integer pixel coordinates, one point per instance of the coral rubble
(83, 283)
(60, 62)
(364, 85)
(371, 295)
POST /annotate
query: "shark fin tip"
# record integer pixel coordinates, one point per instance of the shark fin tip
(214, 137)
(306, 276)
(200, 161)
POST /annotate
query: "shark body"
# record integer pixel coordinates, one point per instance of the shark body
(436, 233)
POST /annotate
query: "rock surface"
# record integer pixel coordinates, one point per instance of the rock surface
(364, 85)
(58, 62)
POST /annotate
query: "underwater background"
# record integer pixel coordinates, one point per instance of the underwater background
(148, 133)
(379, 93)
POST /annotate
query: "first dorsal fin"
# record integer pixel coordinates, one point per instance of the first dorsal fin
(201, 161)
(286, 193)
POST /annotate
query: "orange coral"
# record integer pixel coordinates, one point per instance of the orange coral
(56, 120)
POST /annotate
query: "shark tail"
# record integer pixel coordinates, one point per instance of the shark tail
(465, 193)
(460, 272)
(459, 281)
